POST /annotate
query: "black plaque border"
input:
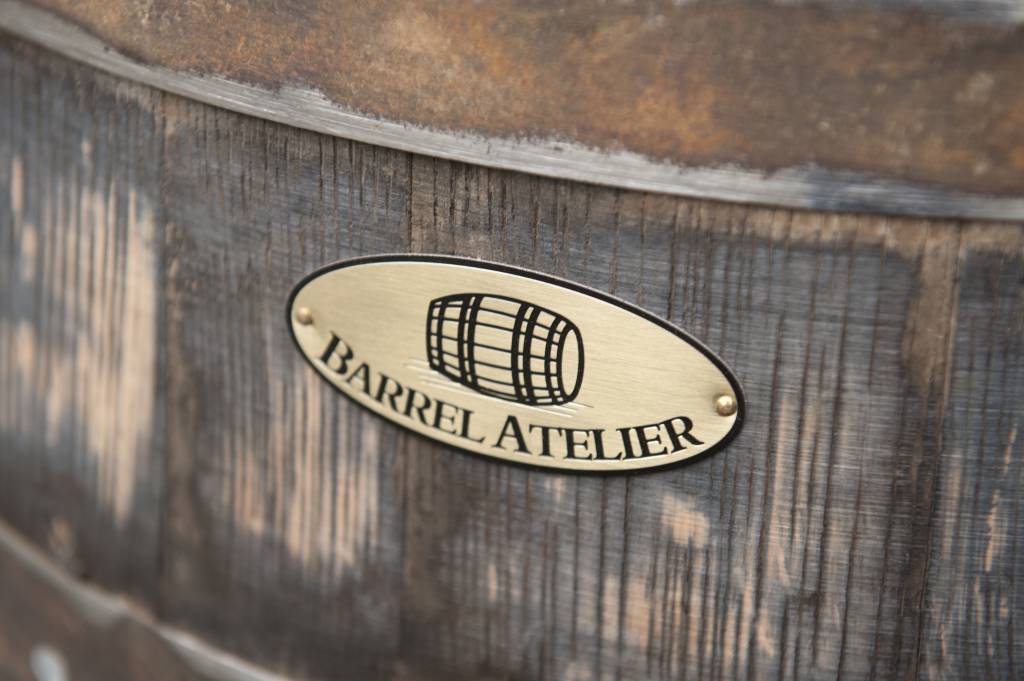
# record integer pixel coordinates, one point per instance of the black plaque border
(547, 279)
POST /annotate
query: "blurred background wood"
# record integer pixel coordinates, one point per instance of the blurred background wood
(163, 441)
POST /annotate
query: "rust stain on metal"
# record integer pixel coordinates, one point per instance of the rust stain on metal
(907, 96)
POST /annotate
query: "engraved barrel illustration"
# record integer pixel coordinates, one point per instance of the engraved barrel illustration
(505, 348)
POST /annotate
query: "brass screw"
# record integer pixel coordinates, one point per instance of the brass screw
(304, 316)
(725, 405)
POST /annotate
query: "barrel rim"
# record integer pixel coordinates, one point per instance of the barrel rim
(801, 187)
(515, 270)
(580, 364)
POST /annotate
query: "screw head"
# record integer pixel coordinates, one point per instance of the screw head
(725, 405)
(304, 316)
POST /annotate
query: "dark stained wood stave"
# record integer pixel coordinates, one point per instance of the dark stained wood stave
(78, 240)
(864, 524)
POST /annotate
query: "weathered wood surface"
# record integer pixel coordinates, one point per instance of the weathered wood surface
(161, 437)
(845, 86)
(55, 628)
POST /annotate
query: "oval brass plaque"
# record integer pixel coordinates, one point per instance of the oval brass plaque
(513, 364)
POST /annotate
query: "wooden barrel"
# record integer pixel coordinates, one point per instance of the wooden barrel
(826, 196)
(505, 348)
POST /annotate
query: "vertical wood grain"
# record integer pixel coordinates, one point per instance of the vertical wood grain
(865, 524)
(80, 431)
